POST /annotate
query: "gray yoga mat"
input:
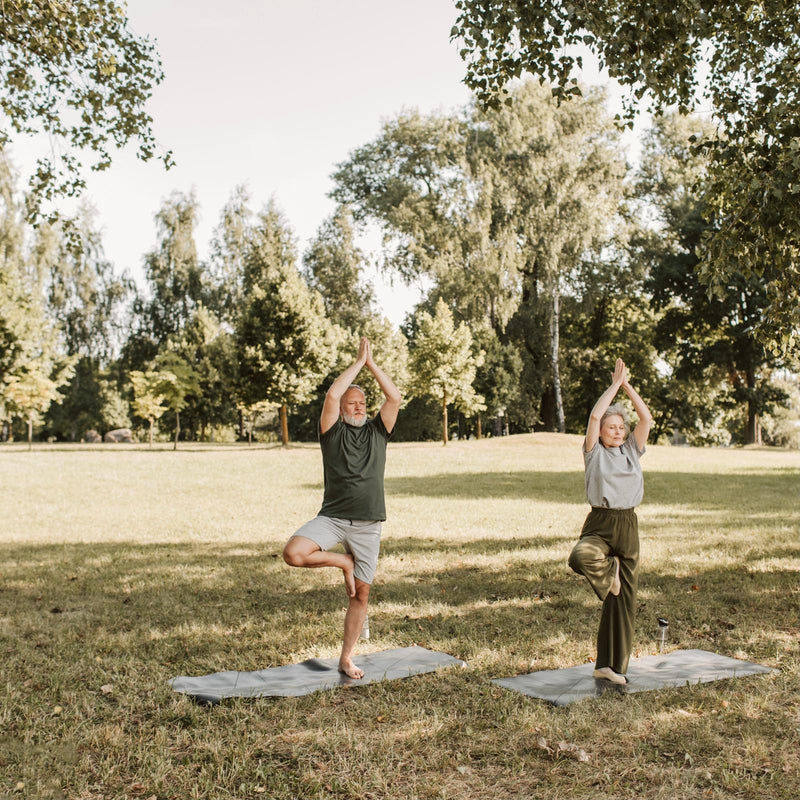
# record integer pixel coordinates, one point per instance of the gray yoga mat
(312, 675)
(679, 668)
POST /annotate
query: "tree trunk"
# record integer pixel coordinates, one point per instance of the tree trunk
(753, 434)
(478, 428)
(284, 425)
(444, 418)
(177, 429)
(554, 325)
(151, 432)
(753, 425)
(30, 433)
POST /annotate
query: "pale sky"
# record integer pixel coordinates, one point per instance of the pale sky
(273, 94)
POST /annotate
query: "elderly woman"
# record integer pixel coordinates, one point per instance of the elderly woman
(607, 553)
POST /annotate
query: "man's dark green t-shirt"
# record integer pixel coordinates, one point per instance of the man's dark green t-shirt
(353, 461)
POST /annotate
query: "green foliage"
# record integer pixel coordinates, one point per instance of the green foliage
(173, 270)
(30, 391)
(178, 380)
(74, 71)
(444, 364)
(741, 57)
(496, 208)
(209, 348)
(148, 397)
(284, 343)
(226, 266)
(708, 340)
(333, 267)
(782, 425)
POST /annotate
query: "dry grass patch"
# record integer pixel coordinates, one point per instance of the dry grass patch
(123, 567)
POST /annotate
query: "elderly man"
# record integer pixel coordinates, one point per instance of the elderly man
(353, 460)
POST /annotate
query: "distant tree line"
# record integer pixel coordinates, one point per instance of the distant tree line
(545, 256)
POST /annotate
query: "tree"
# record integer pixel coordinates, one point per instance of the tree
(333, 267)
(209, 349)
(31, 391)
(173, 270)
(226, 265)
(147, 396)
(284, 343)
(739, 56)
(420, 181)
(443, 364)
(85, 298)
(178, 381)
(562, 174)
(708, 340)
(494, 207)
(77, 73)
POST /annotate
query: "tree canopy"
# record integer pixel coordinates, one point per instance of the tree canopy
(76, 72)
(739, 56)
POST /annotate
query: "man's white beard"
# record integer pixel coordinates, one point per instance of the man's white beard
(355, 421)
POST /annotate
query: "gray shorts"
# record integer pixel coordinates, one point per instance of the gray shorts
(360, 538)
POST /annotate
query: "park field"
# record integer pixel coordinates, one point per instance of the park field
(121, 567)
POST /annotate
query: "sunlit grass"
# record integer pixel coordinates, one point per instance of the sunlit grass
(122, 567)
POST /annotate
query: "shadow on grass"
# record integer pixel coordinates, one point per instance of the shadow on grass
(200, 609)
(772, 490)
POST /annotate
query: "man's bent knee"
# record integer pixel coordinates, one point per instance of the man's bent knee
(297, 550)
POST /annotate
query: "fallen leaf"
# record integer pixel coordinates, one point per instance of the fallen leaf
(106, 688)
(462, 769)
(57, 709)
(572, 749)
(381, 718)
(695, 587)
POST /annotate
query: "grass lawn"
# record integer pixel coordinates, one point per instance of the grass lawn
(122, 567)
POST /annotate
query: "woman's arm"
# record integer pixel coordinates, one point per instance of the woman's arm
(601, 406)
(642, 429)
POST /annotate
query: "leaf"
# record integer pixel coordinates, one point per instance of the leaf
(106, 688)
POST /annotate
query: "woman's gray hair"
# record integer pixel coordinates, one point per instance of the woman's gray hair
(617, 410)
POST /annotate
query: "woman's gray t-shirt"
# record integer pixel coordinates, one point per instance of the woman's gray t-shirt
(614, 475)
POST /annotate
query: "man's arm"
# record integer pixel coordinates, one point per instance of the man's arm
(333, 397)
(391, 405)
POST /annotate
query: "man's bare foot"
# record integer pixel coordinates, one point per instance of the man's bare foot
(616, 585)
(347, 666)
(349, 580)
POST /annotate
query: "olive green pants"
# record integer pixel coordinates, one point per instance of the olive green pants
(609, 532)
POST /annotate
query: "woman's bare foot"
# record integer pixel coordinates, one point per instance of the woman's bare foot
(616, 585)
(347, 666)
(608, 674)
